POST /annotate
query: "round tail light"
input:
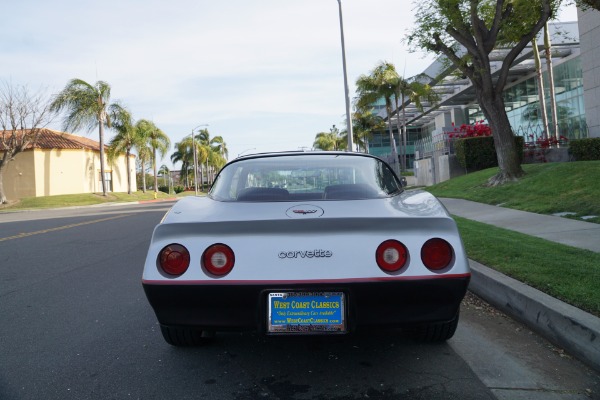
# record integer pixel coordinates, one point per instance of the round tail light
(436, 254)
(174, 259)
(391, 256)
(218, 259)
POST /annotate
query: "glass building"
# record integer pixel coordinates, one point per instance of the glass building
(458, 104)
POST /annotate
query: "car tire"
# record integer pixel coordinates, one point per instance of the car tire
(185, 337)
(437, 332)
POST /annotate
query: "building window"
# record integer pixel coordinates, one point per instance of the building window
(107, 181)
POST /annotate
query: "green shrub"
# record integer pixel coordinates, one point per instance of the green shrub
(477, 153)
(585, 149)
(178, 189)
(164, 189)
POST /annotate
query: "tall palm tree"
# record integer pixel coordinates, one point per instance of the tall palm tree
(124, 142)
(370, 88)
(212, 152)
(142, 147)
(184, 154)
(407, 91)
(164, 171)
(160, 142)
(87, 106)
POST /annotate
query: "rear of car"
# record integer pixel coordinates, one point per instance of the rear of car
(307, 243)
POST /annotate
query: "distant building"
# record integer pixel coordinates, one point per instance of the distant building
(62, 163)
(589, 28)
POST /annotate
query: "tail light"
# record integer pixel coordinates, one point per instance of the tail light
(391, 256)
(174, 259)
(218, 259)
(436, 254)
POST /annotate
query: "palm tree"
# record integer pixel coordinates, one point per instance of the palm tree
(364, 124)
(87, 106)
(164, 171)
(408, 91)
(184, 154)
(160, 142)
(212, 152)
(370, 88)
(144, 151)
(125, 141)
(331, 140)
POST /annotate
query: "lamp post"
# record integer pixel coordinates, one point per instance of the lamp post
(195, 159)
(346, 90)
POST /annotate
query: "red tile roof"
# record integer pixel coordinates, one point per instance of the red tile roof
(51, 139)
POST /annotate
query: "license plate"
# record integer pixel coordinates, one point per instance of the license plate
(306, 312)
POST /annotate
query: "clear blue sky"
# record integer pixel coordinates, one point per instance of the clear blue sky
(264, 74)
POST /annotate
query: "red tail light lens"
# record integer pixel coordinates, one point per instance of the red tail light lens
(391, 255)
(218, 259)
(436, 254)
(174, 259)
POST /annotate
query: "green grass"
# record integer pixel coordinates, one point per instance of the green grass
(545, 189)
(87, 199)
(564, 272)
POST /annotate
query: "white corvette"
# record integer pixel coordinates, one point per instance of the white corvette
(306, 243)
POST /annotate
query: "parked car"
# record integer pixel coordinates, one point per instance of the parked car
(306, 243)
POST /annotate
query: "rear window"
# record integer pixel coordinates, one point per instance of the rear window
(305, 177)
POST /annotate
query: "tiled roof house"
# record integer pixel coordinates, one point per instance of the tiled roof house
(63, 163)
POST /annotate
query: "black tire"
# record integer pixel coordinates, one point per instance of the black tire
(185, 337)
(437, 332)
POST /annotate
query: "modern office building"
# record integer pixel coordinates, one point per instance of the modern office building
(458, 104)
(589, 29)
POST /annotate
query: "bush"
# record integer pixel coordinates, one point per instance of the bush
(585, 149)
(178, 189)
(477, 153)
(164, 189)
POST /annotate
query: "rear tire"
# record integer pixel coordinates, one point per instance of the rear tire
(436, 332)
(185, 337)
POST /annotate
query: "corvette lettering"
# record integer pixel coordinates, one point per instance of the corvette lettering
(304, 212)
(306, 254)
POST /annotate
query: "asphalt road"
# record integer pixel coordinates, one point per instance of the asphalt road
(75, 324)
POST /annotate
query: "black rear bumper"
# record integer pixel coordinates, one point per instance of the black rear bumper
(369, 304)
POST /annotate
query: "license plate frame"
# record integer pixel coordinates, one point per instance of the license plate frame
(294, 312)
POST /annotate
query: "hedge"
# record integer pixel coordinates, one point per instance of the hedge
(585, 149)
(479, 153)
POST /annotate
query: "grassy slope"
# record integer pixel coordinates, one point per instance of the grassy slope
(545, 189)
(565, 272)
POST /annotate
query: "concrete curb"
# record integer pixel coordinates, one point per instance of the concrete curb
(574, 330)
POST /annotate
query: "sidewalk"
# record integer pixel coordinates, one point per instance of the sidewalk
(574, 330)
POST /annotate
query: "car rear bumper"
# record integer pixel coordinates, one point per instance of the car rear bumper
(369, 304)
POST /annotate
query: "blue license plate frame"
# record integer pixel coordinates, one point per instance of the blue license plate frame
(306, 312)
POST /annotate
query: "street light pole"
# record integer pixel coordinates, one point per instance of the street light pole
(346, 90)
(195, 159)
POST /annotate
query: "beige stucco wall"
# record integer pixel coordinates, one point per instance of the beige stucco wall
(54, 172)
(18, 177)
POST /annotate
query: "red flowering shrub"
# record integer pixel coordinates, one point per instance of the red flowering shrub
(479, 129)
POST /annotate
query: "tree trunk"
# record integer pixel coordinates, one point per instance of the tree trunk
(3, 198)
(154, 170)
(102, 171)
(398, 127)
(127, 154)
(541, 92)
(392, 140)
(548, 48)
(504, 140)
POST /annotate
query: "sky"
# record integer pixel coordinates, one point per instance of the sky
(266, 75)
